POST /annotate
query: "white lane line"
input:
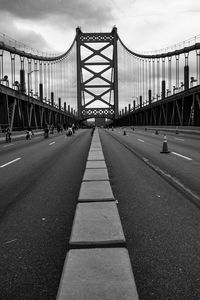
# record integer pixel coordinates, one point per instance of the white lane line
(8, 145)
(179, 139)
(178, 154)
(51, 143)
(140, 140)
(10, 162)
(171, 178)
(8, 242)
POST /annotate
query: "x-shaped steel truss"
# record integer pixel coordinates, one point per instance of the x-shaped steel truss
(106, 63)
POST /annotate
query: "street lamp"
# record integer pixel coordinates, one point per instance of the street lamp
(36, 95)
(17, 84)
(168, 92)
(5, 78)
(174, 89)
(192, 80)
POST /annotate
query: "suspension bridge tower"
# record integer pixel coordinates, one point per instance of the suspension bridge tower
(97, 75)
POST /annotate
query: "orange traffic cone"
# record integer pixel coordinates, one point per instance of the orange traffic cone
(165, 148)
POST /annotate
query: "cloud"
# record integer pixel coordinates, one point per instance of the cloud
(159, 24)
(142, 25)
(84, 11)
(54, 20)
(21, 37)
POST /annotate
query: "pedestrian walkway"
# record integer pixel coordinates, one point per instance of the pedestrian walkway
(97, 266)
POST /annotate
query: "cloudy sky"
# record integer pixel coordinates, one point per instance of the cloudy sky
(143, 25)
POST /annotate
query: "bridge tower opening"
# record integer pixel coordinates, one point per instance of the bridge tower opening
(97, 75)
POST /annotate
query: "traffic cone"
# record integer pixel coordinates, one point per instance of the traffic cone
(165, 148)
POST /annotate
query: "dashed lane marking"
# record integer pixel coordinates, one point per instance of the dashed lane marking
(10, 162)
(8, 145)
(178, 154)
(140, 140)
(178, 139)
(51, 143)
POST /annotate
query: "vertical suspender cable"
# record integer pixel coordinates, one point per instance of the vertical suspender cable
(154, 79)
(158, 79)
(150, 78)
(170, 74)
(198, 66)
(12, 68)
(177, 72)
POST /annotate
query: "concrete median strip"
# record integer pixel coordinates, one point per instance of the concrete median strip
(96, 224)
(95, 191)
(95, 174)
(97, 274)
(95, 156)
(97, 266)
(96, 164)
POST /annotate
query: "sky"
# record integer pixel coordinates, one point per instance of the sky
(143, 25)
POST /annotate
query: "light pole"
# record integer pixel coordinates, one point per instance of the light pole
(192, 80)
(5, 79)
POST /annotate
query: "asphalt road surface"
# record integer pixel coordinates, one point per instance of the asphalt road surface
(161, 223)
(39, 185)
(158, 202)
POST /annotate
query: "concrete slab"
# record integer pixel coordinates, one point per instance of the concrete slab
(97, 274)
(97, 224)
(95, 156)
(98, 164)
(96, 138)
(95, 174)
(95, 191)
(95, 151)
(95, 148)
(96, 145)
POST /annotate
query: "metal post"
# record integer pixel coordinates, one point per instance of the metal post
(41, 92)
(186, 77)
(52, 98)
(163, 89)
(149, 96)
(59, 103)
(140, 101)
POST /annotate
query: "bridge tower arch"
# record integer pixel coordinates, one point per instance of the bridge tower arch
(97, 56)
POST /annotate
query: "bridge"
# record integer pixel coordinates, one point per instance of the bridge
(99, 77)
(109, 214)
